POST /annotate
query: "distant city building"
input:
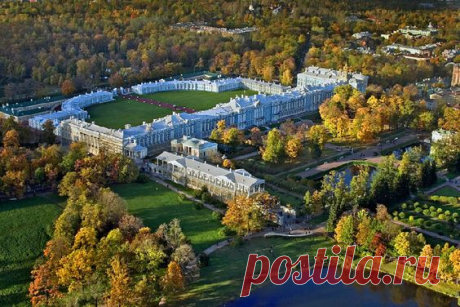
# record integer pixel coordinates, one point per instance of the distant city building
(221, 183)
(72, 108)
(194, 147)
(410, 32)
(440, 134)
(450, 54)
(425, 51)
(202, 27)
(362, 35)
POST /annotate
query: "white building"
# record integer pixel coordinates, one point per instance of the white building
(315, 76)
(72, 107)
(314, 86)
(189, 146)
(221, 183)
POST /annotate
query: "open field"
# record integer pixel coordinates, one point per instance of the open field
(156, 205)
(198, 100)
(122, 111)
(25, 226)
(222, 279)
(447, 191)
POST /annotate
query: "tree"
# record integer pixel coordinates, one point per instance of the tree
(293, 147)
(286, 78)
(256, 136)
(11, 139)
(116, 80)
(344, 232)
(427, 252)
(232, 136)
(67, 88)
(274, 149)
(120, 293)
(227, 163)
(173, 281)
(455, 260)
(248, 214)
(48, 133)
(365, 232)
(409, 243)
(451, 119)
(313, 203)
(318, 134)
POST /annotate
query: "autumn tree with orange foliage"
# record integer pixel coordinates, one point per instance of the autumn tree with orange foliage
(248, 214)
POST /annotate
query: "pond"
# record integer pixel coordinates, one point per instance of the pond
(354, 295)
(351, 171)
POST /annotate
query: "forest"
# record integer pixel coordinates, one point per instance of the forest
(119, 43)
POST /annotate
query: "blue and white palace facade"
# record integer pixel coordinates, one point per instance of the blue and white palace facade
(71, 108)
(273, 104)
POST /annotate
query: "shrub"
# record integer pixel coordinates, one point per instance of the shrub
(198, 206)
(395, 213)
(425, 206)
(203, 260)
(402, 215)
(206, 197)
(426, 212)
(225, 231)
(455, 215)
(411, 218)
(432, 208)
(427, 224)
(441, 217)
(433, 214)
(418, 210)
(142, 178)
(396, 218)
(439, 210)
(416, 205)
(447, 213)
(404, 206)
(217, 215)
(181, 197)
(437, 226)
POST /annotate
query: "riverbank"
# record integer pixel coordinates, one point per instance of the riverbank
(221, 281)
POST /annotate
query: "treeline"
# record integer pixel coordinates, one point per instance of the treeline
(349, 113)
(386, 185)
(28, 169)
(379, 236)
(100, 254)
(121, 43)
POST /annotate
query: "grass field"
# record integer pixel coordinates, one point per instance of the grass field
(197, 100)
(156, 205)
(447, 191)
(120, 112)
(24, 229)
(222, 279)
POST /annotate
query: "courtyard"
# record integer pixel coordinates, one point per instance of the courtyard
(124, 111)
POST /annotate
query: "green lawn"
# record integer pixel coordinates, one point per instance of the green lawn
(121, 111)
(156, 205)
(285, 198)
(25, 226)
(447, 191)
(223, 278)
(198, 100)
